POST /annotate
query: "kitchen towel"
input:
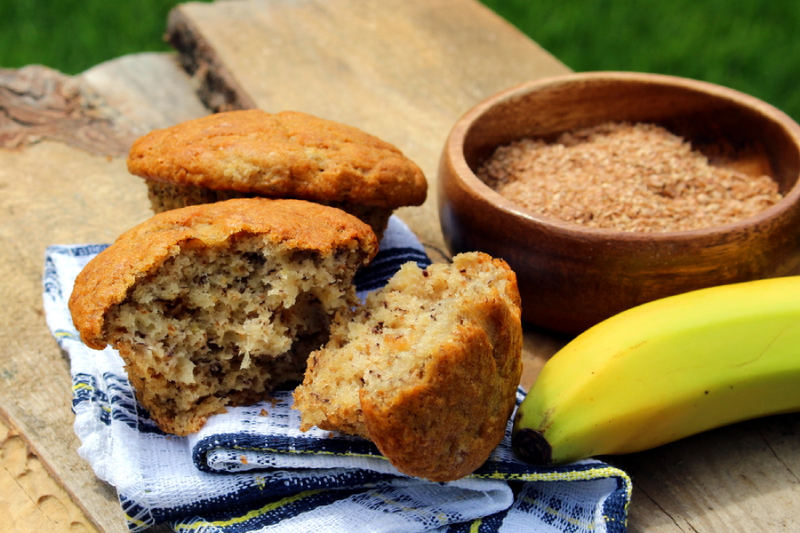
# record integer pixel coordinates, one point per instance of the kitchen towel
(252, 470)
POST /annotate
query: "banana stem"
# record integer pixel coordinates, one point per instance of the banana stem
(531, 446)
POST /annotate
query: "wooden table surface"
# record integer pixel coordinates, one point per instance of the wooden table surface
(404, 70)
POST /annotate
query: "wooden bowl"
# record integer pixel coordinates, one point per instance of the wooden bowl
(571, 276)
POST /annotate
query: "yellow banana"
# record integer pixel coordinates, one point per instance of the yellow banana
(666, 370)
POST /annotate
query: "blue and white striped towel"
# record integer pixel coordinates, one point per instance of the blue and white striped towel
(252, 470)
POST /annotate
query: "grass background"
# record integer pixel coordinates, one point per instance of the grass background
(748, 45)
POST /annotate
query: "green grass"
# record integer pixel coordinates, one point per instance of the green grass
(72, 36)
(744, 44)
(749, 45)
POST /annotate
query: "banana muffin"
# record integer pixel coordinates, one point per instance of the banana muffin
(217, 304)
(282, 155)
(427, 369)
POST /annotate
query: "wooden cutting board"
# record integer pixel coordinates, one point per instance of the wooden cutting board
(404, 70)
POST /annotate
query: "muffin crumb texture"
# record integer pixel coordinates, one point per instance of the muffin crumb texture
(427, 368)
(212, 328)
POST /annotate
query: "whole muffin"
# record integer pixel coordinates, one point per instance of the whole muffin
(217, 304)
(282, 155)
(427, 369)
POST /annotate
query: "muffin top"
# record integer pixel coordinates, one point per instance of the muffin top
(283, 155)
(294, 224)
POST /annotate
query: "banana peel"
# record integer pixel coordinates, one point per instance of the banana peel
(666, 370)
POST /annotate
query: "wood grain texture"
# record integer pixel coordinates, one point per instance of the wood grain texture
(147, 91)
(32, 500)
(740, 478)
(41, 103)
(36, 391)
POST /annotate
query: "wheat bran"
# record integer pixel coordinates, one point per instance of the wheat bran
(629, 177)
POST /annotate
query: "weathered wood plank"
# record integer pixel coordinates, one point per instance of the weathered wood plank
(65, 181)
(148, 90)
(740, 478)
(32, 500)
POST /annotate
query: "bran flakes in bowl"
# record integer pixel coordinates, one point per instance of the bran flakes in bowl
(628, 177)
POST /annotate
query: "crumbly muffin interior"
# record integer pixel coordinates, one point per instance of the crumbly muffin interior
(167, 196)
(387, 346)
(217, 326)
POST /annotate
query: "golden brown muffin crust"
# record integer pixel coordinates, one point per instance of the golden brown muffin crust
(428, 369)
(287, 155)
(105, 281)
(445, 428)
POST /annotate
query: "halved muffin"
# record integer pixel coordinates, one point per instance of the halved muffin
(427, 369)
(217, 304)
